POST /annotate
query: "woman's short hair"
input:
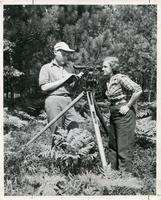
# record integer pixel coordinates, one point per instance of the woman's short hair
(114, 63)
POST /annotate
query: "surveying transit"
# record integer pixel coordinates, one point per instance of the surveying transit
(94, 110)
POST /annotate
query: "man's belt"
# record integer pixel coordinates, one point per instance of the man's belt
(63, 95)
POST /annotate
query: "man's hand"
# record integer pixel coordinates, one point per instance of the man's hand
(72, 78)
(124, 109)
(80, 74)
(77, 76)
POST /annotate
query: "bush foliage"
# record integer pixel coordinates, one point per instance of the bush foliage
(73, 166)
(128, 32)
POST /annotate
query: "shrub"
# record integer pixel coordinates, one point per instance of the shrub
(72, 151)
(144, 164)
(73, 166)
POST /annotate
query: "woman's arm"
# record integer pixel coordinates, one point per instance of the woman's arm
(136, 92)
(134, 98)
(124, 109)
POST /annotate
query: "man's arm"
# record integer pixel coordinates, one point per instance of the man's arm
(54, 85)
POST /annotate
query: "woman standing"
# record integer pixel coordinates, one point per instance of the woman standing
(122, 114)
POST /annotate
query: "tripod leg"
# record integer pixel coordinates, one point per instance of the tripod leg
(98, 112)
(97, 130)
(56, 118)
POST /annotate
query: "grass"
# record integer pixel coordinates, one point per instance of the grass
(34, 171)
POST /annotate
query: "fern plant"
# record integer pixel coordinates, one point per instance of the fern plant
(72, 150)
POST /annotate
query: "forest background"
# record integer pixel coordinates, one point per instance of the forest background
(73, 167)
(30, 32)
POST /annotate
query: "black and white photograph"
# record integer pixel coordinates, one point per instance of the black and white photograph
(80, 99)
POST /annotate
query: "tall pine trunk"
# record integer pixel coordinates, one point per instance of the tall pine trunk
(151, 85)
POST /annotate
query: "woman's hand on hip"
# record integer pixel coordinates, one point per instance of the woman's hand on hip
(124, 109)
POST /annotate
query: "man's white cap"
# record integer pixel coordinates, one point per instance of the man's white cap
(62, 46)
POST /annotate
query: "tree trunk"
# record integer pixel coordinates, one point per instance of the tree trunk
(12, 94)
(151, 85)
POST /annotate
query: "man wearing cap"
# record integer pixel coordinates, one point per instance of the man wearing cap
(52, 78)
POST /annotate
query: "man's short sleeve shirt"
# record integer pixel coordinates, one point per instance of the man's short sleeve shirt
(50, 73)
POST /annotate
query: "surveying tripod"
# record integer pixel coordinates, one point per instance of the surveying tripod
(94, 109)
